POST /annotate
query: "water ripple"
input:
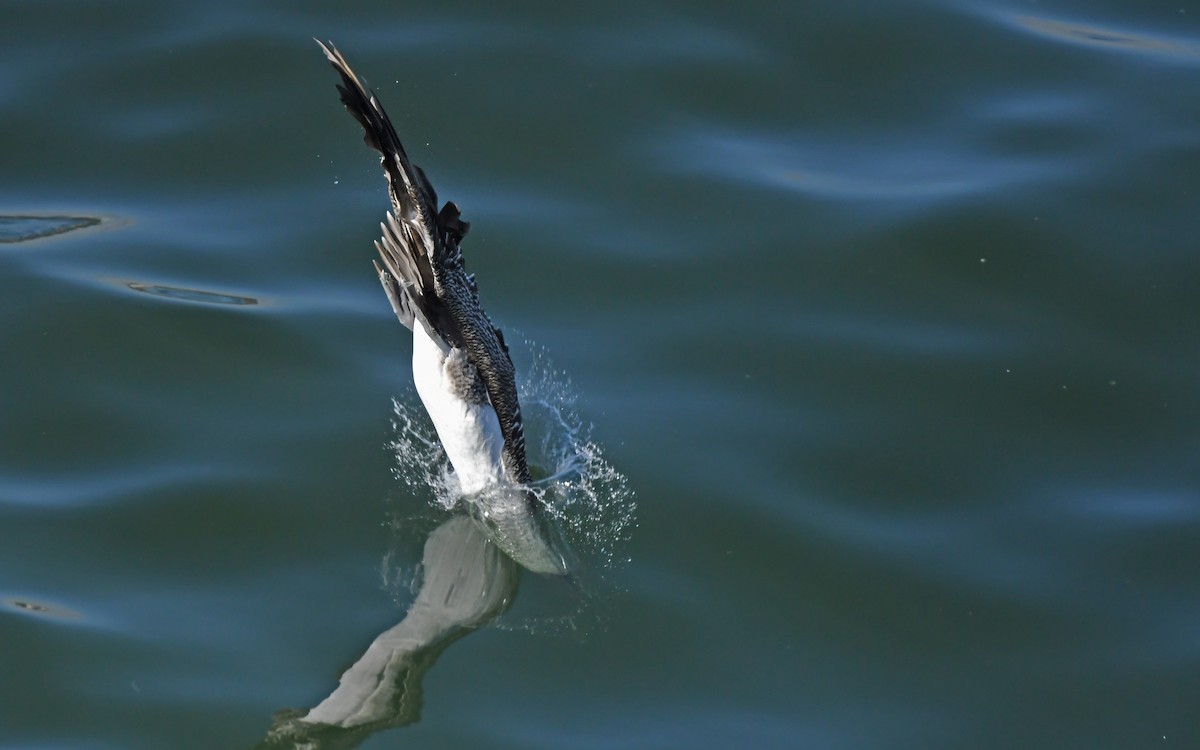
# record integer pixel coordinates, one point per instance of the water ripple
(1105, 38)
(190, 295)
(892, 167)
(25, 228)
(37, 608)
(674, 42)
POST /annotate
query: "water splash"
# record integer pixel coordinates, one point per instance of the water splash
(587, 504)
(585, 494)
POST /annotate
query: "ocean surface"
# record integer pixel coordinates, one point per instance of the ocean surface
(860, 343)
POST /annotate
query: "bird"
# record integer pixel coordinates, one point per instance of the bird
(462, 368)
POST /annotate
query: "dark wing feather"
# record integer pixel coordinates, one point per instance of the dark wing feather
(422, 265)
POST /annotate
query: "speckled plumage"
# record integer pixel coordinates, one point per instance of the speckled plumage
(425, 279)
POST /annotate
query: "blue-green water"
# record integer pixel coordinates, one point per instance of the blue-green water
(886, 313)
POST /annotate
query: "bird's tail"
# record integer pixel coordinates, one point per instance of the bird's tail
(417, 238)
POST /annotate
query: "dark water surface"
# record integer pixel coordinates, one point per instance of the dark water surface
(887, 312)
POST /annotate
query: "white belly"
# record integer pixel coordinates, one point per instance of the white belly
(470, 433)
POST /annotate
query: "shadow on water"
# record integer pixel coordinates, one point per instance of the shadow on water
(467, 582)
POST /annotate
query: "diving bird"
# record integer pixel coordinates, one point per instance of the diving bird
(461, 365)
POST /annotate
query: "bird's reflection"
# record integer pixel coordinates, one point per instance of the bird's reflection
(466, 582)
